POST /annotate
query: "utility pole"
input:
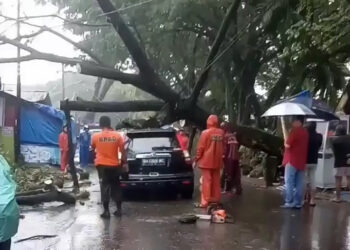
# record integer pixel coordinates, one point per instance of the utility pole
(63, 84)
(18, 51)
(18, 124)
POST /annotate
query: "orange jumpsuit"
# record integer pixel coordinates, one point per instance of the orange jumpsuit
(63, 144)
(209, 159)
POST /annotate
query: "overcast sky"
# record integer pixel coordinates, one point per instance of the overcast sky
(33, 72)
(36, 72)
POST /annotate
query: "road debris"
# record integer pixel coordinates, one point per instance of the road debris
(30, 177)
(36, 237)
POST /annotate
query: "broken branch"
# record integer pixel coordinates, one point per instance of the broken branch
(215, 49)
(109, 73)
(147, 73)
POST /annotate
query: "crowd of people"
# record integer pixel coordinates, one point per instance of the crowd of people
(218, 159)
(219, 147)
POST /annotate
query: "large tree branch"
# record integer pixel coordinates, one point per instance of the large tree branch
(65, 20)
(18, 44)
(20, 59)
(215, 49)
(110, 73)
(130, 106)
(35, 54)
(31, 35)
(75, 44)
(65, 38)
(126, 35)
(147, 73)
(85, 66)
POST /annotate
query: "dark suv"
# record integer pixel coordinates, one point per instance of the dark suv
(157, 162)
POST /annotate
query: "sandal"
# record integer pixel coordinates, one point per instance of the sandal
(312, 204)
(198, 205)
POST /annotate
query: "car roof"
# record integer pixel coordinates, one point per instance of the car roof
(152, 132)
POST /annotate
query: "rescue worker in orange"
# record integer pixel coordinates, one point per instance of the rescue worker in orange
(210, 160)
(108, 146)
(63, 144)
(232, 172)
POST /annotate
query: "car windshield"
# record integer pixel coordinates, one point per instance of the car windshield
(150, 144)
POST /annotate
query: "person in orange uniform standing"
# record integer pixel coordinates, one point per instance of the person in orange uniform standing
(108, 145)
(63, 144)
(210, 160)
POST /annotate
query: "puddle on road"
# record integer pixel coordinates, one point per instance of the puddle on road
(154, 220)
(88, 219)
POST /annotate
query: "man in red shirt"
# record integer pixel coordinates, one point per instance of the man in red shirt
(295, 157)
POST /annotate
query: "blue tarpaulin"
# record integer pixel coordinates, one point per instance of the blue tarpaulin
(320, 108)
(303, 97)
(40, 124)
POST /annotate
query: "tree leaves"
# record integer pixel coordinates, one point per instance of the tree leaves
(310, 37)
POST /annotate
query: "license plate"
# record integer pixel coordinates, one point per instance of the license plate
(153, 162)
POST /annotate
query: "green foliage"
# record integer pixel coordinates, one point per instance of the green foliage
(315, 47)
(295, 45)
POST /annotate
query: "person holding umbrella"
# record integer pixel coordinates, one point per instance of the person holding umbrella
(296, 150)
(294, 160)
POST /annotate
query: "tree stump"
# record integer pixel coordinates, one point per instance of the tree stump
(270, 164)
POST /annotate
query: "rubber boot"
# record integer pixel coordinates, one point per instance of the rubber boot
(106, 213)
(118, 212)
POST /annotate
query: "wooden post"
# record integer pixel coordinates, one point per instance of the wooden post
(63, 84)
(72, 168)
(270, 164)
(284, 129)
(18, 121)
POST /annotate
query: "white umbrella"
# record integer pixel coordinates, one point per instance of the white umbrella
(288, 109)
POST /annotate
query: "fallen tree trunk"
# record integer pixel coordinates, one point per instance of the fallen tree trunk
(259, 139)
(32, 192)
(129, 106)
(53, 195)
(247, 136)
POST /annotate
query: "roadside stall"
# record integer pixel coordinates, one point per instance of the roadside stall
(325, 165)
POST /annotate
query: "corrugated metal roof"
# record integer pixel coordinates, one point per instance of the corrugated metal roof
(33, 96)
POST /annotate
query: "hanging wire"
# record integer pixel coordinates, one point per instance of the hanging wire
(235, 38)
(125, 8)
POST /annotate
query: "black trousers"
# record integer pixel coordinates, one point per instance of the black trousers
(110, 184)
(5, 245)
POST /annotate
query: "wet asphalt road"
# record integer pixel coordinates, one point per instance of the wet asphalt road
(152, 224)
